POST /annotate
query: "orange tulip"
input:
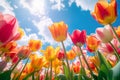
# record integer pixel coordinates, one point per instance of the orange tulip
(104, 12)
(59, 31)
(35, 44)
(8, 47)
(50, 53)
(71, 55)
(76, 67)
(92, 43)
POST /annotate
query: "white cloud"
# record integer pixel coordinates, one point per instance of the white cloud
(6, 8)
(57, 4)
(84, 4)
(28, 29)
(36, 7)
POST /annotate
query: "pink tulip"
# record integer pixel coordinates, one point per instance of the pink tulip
(105, 34)
(8, 28)
(107, 48)
(78, 37)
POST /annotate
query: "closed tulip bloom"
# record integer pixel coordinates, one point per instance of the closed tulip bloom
(92, 43)
(61, 55)
(105, 12)
(8, 28)
(78, 37)
(76, 67)
(35, 44)
(105, 34)
(59, 31)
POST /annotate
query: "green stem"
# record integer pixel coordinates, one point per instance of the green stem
(115, 51)
(66, 60)
(50, 70)
(22, 69)
(63, 66)
(33, 77)
(15, 65)
(80, 61)
(92, 75)
(114, 32)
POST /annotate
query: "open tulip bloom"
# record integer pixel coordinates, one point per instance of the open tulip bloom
(36, 61)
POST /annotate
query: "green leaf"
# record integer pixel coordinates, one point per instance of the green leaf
(82, 71)
(30, 74)
(5, 75)
(61, 77)
(66, 72)
(114, 73)
(46, 76)
(104, 67)
(103, 61)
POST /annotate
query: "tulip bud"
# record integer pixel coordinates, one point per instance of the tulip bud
(61, 55)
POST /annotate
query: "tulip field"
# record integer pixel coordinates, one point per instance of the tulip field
(58, 63)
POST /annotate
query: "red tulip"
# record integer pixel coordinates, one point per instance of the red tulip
(8, 28)
(61, 55)
(78, 37)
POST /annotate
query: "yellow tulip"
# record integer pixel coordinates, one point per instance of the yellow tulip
(59, 31)
(37, 62)
(104, 12)
(50, 53)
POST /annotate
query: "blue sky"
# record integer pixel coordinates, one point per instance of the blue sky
(35, 16)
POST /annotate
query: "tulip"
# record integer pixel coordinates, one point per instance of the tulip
(76, 67)
(104, 12)
(78, 37)
(59, 31)
(105, 34)
(8, 47)
(50, 53)
(35, 44)
(107, 48)
(24, 52)
(37, 62)
(61, 55)
(118, 31)
(8, 28)
(92, 43)
(71, 55)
